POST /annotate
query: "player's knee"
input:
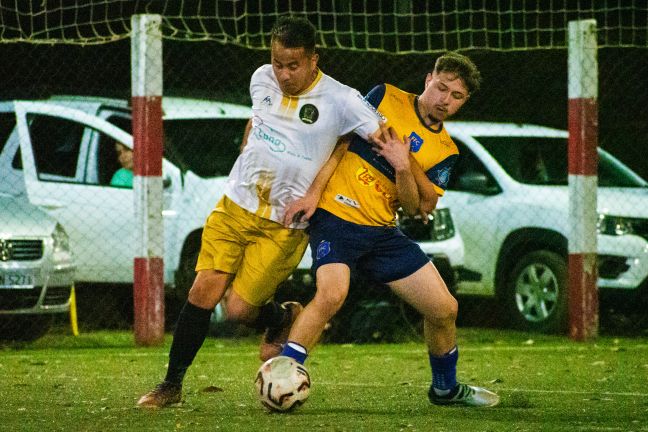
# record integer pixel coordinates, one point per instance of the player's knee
(329, 301)
(239, 311)
(207, 290)
(444, 313)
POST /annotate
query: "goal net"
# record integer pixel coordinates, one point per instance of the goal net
(395, 26)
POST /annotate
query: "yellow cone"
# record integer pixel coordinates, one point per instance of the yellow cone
(73, 313)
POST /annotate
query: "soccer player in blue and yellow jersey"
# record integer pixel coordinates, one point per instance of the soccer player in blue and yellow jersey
(352, 220)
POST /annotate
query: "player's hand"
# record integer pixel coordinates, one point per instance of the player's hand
(389, 146)
(299, 211)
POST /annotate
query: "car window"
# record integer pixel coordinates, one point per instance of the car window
(530, 160)
(208, 147)
(122, 121)
(56, 143)
(7, 124)
(107, 161)
(543, 161)
(468, 165)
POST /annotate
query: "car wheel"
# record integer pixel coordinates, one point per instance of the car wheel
(536, 294)
(24, 327)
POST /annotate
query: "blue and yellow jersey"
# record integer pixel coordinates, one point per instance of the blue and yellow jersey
(362, 189)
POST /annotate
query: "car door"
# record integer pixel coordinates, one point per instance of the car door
(473, 195)
(54, 142)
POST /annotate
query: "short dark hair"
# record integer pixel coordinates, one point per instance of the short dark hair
(294, 32)
(461, 65)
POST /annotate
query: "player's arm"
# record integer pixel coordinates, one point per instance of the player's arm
(397, 153)
(302, 209)
(246, 134)
(428, 195)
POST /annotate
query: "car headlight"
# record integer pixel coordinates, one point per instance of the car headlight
(61, 244)
(442, 225)
(439, 227)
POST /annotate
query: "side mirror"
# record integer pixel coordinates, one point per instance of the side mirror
(476, 182)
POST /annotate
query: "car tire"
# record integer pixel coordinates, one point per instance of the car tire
(535, 297)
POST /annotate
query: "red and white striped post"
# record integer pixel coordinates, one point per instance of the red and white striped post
(146, 80)
(583, 162)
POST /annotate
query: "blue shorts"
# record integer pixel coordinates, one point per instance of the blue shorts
(381, 253)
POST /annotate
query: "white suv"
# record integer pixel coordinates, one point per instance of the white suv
(509, 198)
(62, 156)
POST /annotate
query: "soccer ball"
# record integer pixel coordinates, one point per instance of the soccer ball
(282, 384)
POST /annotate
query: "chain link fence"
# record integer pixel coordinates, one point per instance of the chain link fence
(507, 205)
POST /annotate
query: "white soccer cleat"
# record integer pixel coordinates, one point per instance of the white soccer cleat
(466, 395)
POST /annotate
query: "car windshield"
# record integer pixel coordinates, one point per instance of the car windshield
(543, 161)
(208, 147)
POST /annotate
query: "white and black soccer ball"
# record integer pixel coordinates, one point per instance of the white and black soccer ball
(282, 384)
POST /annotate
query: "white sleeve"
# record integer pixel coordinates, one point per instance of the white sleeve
(358, 115)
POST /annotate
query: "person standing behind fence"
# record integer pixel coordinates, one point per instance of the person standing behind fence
(298, 115)
(354, 224)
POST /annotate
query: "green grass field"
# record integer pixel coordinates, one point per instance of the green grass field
(91, 383)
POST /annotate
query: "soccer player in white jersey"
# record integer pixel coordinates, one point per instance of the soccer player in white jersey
(299, 114)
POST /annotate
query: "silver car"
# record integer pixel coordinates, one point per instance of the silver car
(36, 269)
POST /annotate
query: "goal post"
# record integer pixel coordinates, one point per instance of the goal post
(582, 163)
(146, 82)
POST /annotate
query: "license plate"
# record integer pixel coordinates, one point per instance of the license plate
(16, 280)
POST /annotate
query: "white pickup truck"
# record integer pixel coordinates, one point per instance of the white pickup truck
(509, 196)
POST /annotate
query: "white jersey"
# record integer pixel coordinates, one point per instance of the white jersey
(291, 138)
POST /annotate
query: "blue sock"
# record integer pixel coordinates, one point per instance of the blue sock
(444, 371)
(295, 351)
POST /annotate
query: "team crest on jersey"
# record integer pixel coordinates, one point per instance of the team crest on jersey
(443, 177)
(323, 249)
(415, 142)
(308, 113)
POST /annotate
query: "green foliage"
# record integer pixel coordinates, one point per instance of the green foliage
(547, 383)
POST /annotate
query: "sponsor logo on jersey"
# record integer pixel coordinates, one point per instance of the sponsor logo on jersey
(308, 114)
(367, 178)
(346, 201)
(267, 101)
(415, 142)
(323, 249)
(446, 141)
(371, 107)
(275, 144)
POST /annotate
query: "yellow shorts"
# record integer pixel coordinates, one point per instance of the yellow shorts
(260, 252)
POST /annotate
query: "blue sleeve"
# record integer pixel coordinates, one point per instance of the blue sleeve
(375, 95)
(439, 174)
